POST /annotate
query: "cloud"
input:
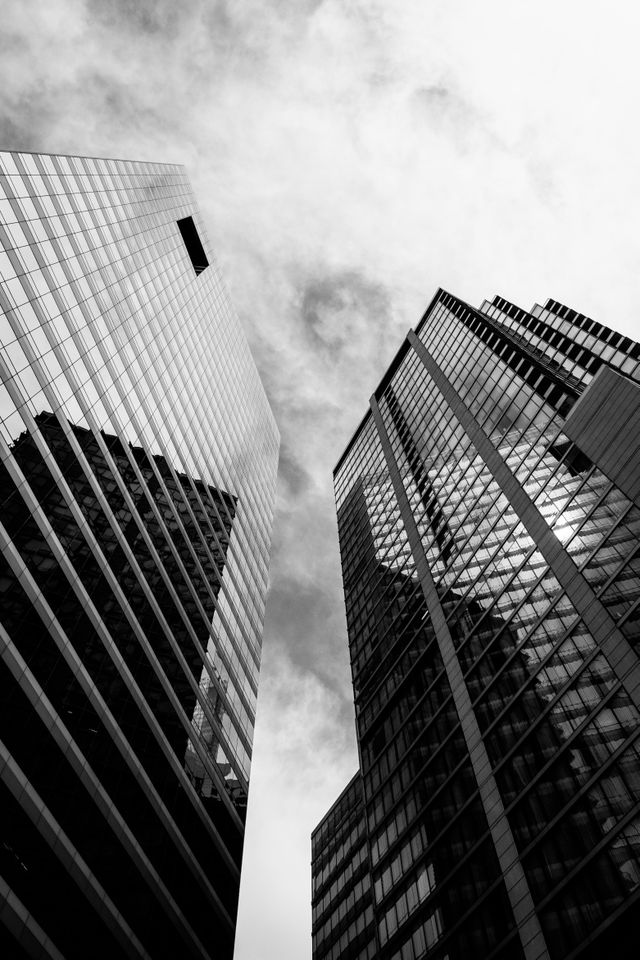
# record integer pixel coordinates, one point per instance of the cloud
(150, 17)
(335, 307)
(303, 758)
(293, 474)
(443, 106)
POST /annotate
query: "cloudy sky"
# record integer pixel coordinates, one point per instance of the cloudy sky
(349, 157)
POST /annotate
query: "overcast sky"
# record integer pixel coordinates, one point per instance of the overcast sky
(349, 157)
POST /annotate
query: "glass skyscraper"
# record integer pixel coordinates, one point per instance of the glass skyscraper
(489, 523)
(139, 458)
(341, 879)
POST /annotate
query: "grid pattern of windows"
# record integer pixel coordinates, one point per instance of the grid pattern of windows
(342, 912)
(139, 457)
(492, 586)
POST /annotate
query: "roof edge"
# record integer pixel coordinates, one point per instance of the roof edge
(86, 156)
(393, 366)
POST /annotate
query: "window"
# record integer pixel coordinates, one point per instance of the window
(193, 244)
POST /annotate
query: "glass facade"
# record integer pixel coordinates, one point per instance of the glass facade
(489, 524)
(342, 897)
(139, 458)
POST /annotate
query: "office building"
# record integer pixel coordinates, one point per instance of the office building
(139, 457)
(489, 523)
(341, 880)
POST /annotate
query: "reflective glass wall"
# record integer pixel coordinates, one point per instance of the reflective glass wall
(341, 884)
(489, 528)
(139, 457)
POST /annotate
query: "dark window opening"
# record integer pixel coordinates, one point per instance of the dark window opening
(574, 460)
(193, 244)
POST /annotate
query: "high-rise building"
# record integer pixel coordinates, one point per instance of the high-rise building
(139, 456)
(489, 523)
(341, 880)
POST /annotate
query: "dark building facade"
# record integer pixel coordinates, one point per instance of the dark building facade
(489, 524)
(342, 898)
(137, 484)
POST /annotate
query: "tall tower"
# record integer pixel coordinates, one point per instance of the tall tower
(489, 524)
(137, 483)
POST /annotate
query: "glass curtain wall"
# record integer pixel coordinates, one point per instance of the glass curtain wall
(139, 456)
(492, 582)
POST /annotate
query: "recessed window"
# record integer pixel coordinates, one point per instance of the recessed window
(572, 457)
(193, 244)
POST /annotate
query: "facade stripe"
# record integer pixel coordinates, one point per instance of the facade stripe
(614, 644)
(532, 938)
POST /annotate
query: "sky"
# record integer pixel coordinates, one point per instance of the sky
(349, 157)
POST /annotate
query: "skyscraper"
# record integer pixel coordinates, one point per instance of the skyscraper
(342, 912)
(489, 523)
(139, 456)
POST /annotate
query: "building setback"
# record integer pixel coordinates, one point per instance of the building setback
(137, 484)
(489, 524)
